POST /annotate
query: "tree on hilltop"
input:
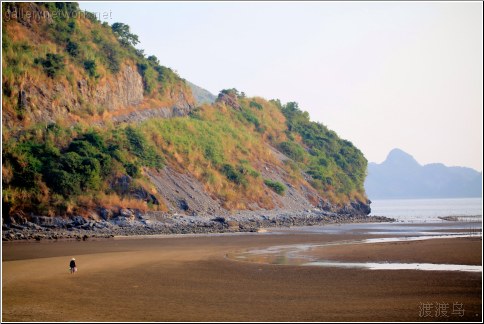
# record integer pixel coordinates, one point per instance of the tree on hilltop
(125, 37)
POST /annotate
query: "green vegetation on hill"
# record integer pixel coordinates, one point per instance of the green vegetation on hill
(59, 170)
(276, 186)
(67, 168)
(51, 171)
(332, 162)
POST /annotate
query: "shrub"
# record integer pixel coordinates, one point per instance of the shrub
(231, 92)
(96, 38)
(132, 170)
(90, 67)
(278, 187)
(125, 37)
(64, 183)
(246, 169)
(25, 162)
(52, 64)
(7, 88)
(149, 77)
(69, 8)
(71, 26)
(250, 117)
(81, 167)
(166, 75)
(111, 53)
(317, 172)
(154, 60)
(140, 53)
(233, 175)
(140, 147)
(72, 48)
(293, 150)
(256, 105)
(95, 140)
(214, 154)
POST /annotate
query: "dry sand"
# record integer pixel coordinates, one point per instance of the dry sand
(189, 279)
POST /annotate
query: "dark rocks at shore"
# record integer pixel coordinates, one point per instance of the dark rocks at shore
(463, 218)
(129, 223)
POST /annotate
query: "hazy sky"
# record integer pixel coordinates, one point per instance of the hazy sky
(381, 74)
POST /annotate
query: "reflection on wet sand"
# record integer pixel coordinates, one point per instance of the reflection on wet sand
(314, 254)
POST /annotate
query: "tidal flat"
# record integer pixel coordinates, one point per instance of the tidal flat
(194, 278)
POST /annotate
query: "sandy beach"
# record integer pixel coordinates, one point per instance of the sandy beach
(189, 278)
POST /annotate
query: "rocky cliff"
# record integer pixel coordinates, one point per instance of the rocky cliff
(47, 102)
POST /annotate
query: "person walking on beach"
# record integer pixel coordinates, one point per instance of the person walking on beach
(72, 265)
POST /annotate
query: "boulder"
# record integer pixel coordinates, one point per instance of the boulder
(230, 99)
(106, 214)
(32, 226)
(78, 221)
(126, 213)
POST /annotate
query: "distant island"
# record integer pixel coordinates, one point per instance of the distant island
(400, 176)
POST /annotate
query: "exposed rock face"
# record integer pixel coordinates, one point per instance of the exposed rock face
(182, 105)
(123, 186)
(184, 194)
(356, 208)
(22, 100)
(163, 112)
(230, 99)
(42, 103)
(126, 90)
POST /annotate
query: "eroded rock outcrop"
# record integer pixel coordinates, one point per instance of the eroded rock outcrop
(125, 90)
(43, 102)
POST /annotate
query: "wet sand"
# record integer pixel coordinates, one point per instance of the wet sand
(190, 279)
(463, 251)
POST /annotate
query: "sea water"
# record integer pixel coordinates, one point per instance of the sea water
(427, 210)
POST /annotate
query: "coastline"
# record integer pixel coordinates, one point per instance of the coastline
(78, 228)
(182, 278)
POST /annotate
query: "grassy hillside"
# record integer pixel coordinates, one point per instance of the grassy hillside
(71, 166)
